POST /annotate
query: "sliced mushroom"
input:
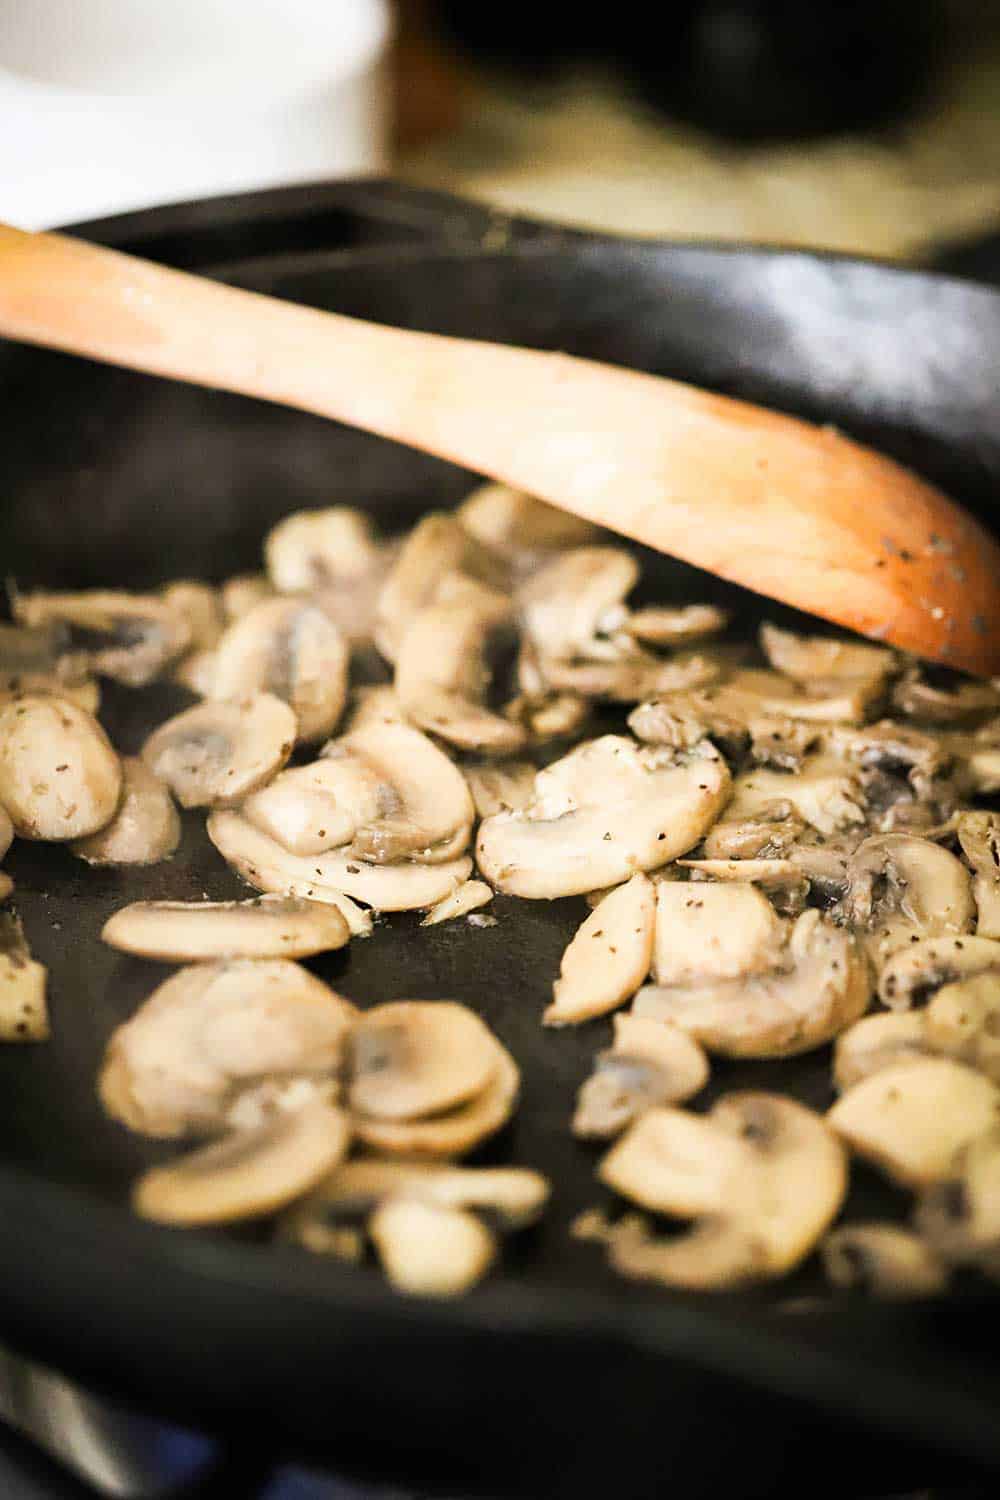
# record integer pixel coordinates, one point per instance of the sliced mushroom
(821, 986)
(709, 932)
(608, 958)
(441, 673)
(599, 815)
(289, 648)
(316, 549)
(414, 1058)
(428, 1250)
(468, 897)
(912, 1119)
(826, 794)
(311, 809)
(648, 1064)
(241, 594)
(877, 1042)
(962, 1021)
(521, 529)
(565, 604)
(964, 703)
(660, 625)
(903, 888)
(6, 832)
(808, 658)
(426, 810)
(215, 754)
(196, 672)
(24, 1015)
(630, 679)
(130, 637)
(374, 705)
(144, 830)
(885, 1260)
(960, 1215)
(762, 1175)
(501, 786)
(267, 866)
(917, 969)
(546, 716)
(40, 661)
(6, 886)
(979, 836)
(59, 776)
(888, 746)
(247, 1174)
(767, 836)
(200, 605)
(783, 882)
(454, 1133)
(437, 546)
(213, 1032)
(189, 931)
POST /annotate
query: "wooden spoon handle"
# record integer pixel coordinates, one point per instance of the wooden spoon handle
(791, 510)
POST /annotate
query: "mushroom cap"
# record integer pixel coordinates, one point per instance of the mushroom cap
(144, 830)
(248, 1173)
(912, 1119)
(191, 931)
(59, 776)
(428, 1250)
(877, 1042)
(962, 1021)
(884, 1259)
(130, 637)
(919, 968)
(291, 649)
(649, 1063)
(215, 754)
(599, 815)
(609, 956)
(413, 1058)
(459, 1130)
(902, 886)
(313, 549)
(706, 931)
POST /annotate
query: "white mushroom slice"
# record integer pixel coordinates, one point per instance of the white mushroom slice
(468, 897)
(144, 830)
(521, 529)
(819, 700)
(215, 754)
(85, 692)
(439, 545)
(564, 605)
(708, 932)
(7, 830)
(243, 593)
(599, 815)
(430, 1251)
(214, 1031)
(883, 1259)
(414, 1058)
(919, 968)
(782, 880)
(130, 637)
(374, 705)
(199, 604)
(441, 673)
(765, 837)
(59, 776)
(962, 1021)
(806, 658)
(24, 1015)
(826, 794)
(903, 888)
(608, 958)
(310, 809)
(260, 1102)
(196, 672)
(912, 1119)
(979, 836)
(961, 704)
(247, 1174)
(287, 647)
(456, 1133)
(889, 746)
(648, 1064)
(660, 625)
(821, 987)
(628, 680)
(426, 809)
(313, 549)
(180, 932)
(501, 786)
(960, 1215)
(267, 866)
(877, 1042)
(763, 1175)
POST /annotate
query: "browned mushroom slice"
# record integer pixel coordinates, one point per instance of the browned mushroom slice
(808, 658)
(599, 815)
(546, 716)
(413, 1058)
(888, 746)
(608, 958)
(428, 1250)
(200, 605)
(965, 703)
(130, 637)
(825, 793)
(648, 1064)
(241, 594)
(963, 1021)
(631, 678)
(465, 898)
(660, 625)
(287, 647)
(883, 1259)
(903, 888)
(214, 1032)
(820, 986)
(979, 836)
(762, 1175)
(877, 1042)
(917, 969)
(912, 1119)
(24, 1015)
(59, 776)
(314, 549)
(458, 1131)
(144, 830)
(519, 528)
(215, 754)
(500, 786)
(247, 1174)
(267, 866)
(190, 931)
(437, 546)
(709, 932)
(566, 604)
(960, 1214)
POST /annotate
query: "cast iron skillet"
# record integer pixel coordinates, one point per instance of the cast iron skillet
(554, 1377)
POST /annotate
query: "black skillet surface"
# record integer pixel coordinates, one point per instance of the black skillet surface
(555, 1377)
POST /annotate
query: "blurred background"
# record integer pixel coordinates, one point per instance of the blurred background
(861, 125)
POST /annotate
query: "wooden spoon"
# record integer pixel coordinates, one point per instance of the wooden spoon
(791, 510)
